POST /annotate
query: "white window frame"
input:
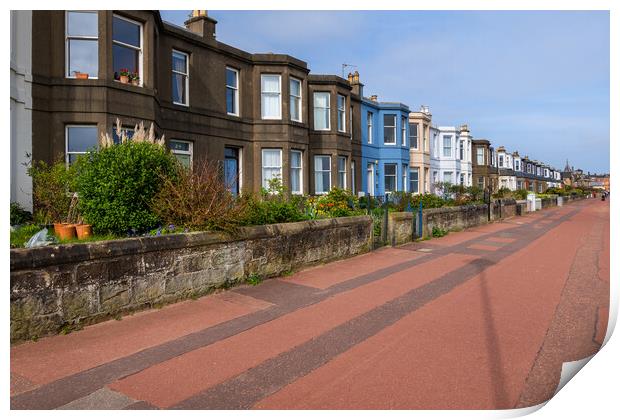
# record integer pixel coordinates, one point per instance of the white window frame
(329, 110)
(236, 89)
(403, 131)
(186, 74)
(479, 155)
(352, 176)
(343, 172)
(133, 47)
(443, 176)
(67, 126)
(405, 178)
(301, 171)
(417, 171)
(323, 170)
(370, 170)
(443, 146)
(385, 175)
(262, 111)
(369, 126)
(189, 153)
(262, 166)
(411, 134)
(391, 127)
(342, 113)
(83, 37)
(297, 99)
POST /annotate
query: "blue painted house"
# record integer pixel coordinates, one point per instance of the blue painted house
(385, 146)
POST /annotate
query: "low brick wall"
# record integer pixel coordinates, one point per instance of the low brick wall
(63, 286)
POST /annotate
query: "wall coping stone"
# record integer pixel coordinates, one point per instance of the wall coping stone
(29, 258)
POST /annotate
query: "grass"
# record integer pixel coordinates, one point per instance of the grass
(254, 279)
(22, 234)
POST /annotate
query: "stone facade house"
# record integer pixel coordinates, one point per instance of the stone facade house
(484, 168)
(261, 115)
(420, 123)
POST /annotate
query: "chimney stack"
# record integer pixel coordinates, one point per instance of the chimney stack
(373, 98)
(357, 87)
(201, 24)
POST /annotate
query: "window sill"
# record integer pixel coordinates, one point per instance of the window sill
(180, 104)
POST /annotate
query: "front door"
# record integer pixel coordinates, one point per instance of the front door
(231, 169)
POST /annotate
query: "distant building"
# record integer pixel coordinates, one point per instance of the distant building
(484, 167)
(420, 151)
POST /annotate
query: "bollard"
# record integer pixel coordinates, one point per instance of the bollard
(420, 232)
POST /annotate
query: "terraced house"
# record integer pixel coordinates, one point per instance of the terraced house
(261, 115)
(385, 147)
(420, 150)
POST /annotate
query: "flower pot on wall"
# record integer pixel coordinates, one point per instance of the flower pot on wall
(65, 231)
(84, 231)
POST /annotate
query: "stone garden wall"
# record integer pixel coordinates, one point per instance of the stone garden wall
(60, 287)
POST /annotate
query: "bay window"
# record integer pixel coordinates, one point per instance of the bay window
(389, 177)
(413, 135)
(342, 113)
(479, 155)
(447, 146)
(271, 103)
(295, 98)
(296, 172)
(414, 180)
(126, 47)
(321, 111)
(82, 43)
(403, 130)
(322, 174)
(369, 117)
(180, 78)
(389, 129)
(342, 172)
(272, 166)
(232, 91)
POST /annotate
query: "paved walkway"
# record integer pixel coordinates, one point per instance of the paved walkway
(478, 319)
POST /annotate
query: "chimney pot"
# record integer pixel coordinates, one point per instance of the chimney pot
(373, 98)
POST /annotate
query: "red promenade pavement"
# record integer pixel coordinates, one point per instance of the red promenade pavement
(478, 319)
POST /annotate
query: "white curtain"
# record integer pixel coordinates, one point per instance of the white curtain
(270, 96)
(296, 172)
(321, 110)
(322, 174)
(272, 166)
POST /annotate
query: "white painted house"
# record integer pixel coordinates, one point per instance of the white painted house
(451, 155)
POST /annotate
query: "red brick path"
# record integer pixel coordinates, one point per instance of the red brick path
(478, 319)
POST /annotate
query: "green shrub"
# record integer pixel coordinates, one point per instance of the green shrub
(475, 193)
(51, 190)
(503, 193)
(428, 200)
(336, 203)
(198, 199)
(273, 205)
(19, 215)
(439, 232)
(520, 194)
(117, 184)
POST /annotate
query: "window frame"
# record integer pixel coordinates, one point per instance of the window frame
(385, 175)
(301, 171)
(479, 155)
(391, 127)
(369, 126)
(342, 113)
(186, 84)
(323, 170)
(445, 137)
(262, 164)
(189, 153)
(342, 172)
(236, 90)
(413, 134)
(82, 37)
(140, 50)
(416, 170)
(262, 115)
(403, 131)
(67, 127)
(297, 98)
(329, 111)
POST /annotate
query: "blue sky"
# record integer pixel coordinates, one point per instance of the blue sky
(533, 81)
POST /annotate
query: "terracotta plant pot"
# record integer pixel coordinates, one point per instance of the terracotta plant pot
(84, 231)
(57, 227)
(135, 82)
(65, 232)
(124, 79)
(81, 75)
